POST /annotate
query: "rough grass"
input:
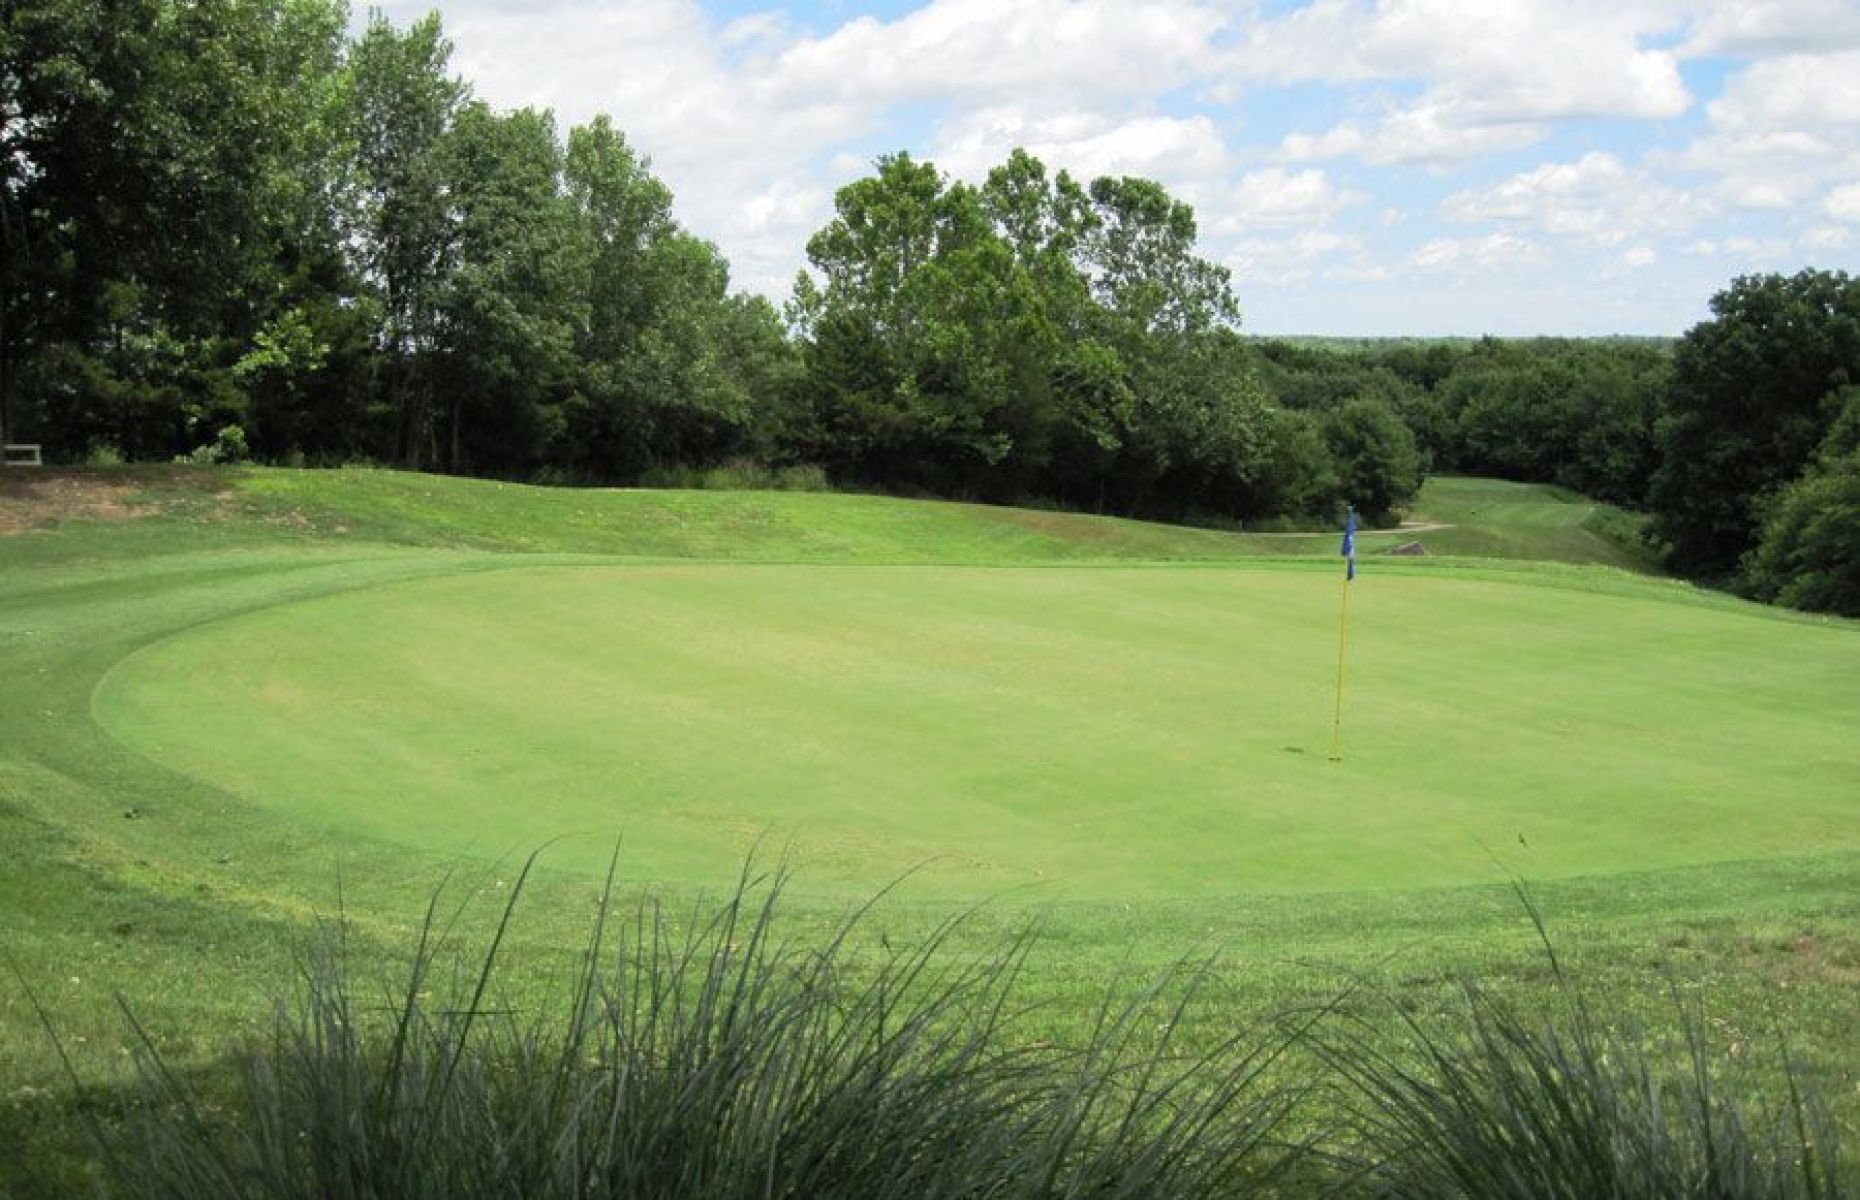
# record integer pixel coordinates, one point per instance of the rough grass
(701, 1054)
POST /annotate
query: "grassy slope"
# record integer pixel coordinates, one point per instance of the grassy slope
(1494, 518)
(273, 508)
(193, 904)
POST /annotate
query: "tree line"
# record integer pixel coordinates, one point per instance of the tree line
(1741, 439)
(232, 227)
(235, 228)
(234, 215)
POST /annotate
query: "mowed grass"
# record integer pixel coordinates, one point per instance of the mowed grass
(1496, 518)
(1099, 733)
(232, 700)
(175, 510)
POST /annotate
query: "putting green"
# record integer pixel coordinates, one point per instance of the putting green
(1111, 733)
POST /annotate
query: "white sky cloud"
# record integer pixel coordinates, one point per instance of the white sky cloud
(1784, 129)
(1742, 248)
(990, 50)
(1494, 250)
(1495, 61)
(1293, 260)
(1277, 197)
(1426, 133)
(1747, 27)
(1176, 151)
(1796, 93)
(1843, 203)
(1595, 198)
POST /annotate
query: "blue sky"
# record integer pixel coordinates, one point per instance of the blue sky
(1365, 167)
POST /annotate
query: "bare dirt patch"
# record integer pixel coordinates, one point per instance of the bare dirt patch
(36, 499)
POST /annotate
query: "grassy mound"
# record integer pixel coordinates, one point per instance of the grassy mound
(142, 511)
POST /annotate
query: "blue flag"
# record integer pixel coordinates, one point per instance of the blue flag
(1349, 546)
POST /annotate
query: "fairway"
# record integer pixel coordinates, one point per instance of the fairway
(1111, 733)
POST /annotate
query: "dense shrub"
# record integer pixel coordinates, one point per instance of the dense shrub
(1808, 547)
(1752, 398)
(1377, 461)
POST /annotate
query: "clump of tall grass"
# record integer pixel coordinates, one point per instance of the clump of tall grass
(706, 1056)
(1502, 1103)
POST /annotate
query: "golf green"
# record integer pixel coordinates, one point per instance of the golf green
(1113, 733)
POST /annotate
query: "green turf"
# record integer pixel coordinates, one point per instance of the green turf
(1495, 518)
(191, 510)
(1115, 733)
(274, 683)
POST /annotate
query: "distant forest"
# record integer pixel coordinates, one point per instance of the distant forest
(235, 230)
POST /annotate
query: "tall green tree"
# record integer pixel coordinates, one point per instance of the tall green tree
(1077, 410)
(670, 361)
(158, 162)
(508, 313)
(1378, 464)
(1033, 336)
(403, 104)
(1807, 552)
(1568, 413)
(1754, 391)
(915, 330)
(1141, 252)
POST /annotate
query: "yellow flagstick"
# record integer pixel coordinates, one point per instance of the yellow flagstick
(1343, 645)
(1343, 632)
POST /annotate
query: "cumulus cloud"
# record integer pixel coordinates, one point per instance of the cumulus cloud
(1742, 248)
(1425, 133)
(1751, 27)
(1596, 198)
(1770, 169)
(1275, 196)
(1784, 129)
(1498, 60)
(1494, 73)
(1180, 151)
(1843, 203)
(1283, 261)
(1797, 93)
(985, 49)
(755, 29)
(1493, 251)
(1826, 237)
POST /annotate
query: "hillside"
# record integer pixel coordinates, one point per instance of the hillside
(138, 511)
